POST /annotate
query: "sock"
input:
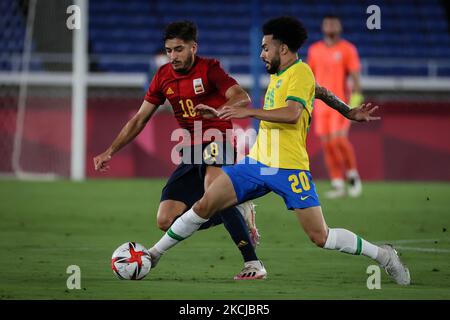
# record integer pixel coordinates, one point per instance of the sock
(348, 242)
(181, 229)
(213, 221)
(256, 263)
(333, 159)
(237, 228)
(348, 153)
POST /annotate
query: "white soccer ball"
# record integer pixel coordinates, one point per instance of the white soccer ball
(131, 261)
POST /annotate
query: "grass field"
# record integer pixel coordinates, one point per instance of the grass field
(45, 227)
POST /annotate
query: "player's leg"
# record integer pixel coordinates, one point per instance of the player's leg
(313, 222)
(348, 155)
(299, 193)
(333, 157)
(220, 195)
(333, 162)
(246, 209)
(168, 211)
(176, 197)
(234, 222)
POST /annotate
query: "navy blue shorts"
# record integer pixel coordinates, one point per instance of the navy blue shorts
(186, 183)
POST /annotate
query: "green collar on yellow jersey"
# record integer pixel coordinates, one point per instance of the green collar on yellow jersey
(282, 71)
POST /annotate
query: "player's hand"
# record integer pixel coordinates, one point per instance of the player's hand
(206, 111)
(228, 113)
(363, 113)
(101, 161)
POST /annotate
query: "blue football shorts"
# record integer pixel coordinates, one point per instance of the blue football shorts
(252, 179)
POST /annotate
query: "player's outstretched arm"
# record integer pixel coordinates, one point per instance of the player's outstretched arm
(133, 127)
(362, 113)
(289, 114)
(236, 98)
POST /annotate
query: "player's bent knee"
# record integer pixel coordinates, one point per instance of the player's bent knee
(163, 222)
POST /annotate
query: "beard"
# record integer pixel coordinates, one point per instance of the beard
(333, 35)
(273, 66)
(186, 65)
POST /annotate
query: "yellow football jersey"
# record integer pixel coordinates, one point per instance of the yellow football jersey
(282, 145)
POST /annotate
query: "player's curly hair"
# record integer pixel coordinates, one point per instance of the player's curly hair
(184, 30)
(288, 30)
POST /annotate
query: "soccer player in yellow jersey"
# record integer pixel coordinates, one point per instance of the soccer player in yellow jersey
(278, 161)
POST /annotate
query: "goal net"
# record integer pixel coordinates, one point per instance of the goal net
(35, 89)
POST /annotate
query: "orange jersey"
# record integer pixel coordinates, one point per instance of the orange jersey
(331, 65)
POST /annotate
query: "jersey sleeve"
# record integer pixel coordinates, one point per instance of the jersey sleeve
(301, 86)
(219, 78)
(351, 59)
(154, 93)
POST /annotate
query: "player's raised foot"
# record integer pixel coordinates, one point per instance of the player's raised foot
(248, 211)
(395, 268)
(253, 270)
(155, 256)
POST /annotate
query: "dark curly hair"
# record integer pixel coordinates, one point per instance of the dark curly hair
(288, 30)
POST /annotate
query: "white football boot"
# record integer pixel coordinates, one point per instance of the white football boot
(253, 270)
(337, 189)
(355, 185)
(395, 268)
(154, 255)
(247, 209)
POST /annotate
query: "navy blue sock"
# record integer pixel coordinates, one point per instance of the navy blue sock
(238, 230)
(213, 221)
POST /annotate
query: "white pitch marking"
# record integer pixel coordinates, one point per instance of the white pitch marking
(424, 249)
(405, 241)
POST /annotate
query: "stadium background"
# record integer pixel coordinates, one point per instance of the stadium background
(405, 70)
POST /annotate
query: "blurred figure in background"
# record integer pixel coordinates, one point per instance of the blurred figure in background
(332, 61)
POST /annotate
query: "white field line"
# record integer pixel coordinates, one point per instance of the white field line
(424, 249)
(398, 245)
(408, 241)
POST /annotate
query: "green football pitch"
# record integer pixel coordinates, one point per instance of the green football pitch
(47, 226)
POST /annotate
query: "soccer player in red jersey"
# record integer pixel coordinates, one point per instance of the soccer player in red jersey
(188, 81)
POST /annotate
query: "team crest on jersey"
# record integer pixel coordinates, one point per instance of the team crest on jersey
(278, 83)
(198, 86)
(337, 56)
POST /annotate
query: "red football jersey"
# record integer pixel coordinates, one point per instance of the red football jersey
(206, 83)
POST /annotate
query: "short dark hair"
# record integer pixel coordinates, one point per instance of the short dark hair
(184, 30)
(288, 30)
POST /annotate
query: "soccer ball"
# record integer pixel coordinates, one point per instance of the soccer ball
(131, 261)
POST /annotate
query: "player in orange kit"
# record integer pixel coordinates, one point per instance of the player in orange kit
(332, 61)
